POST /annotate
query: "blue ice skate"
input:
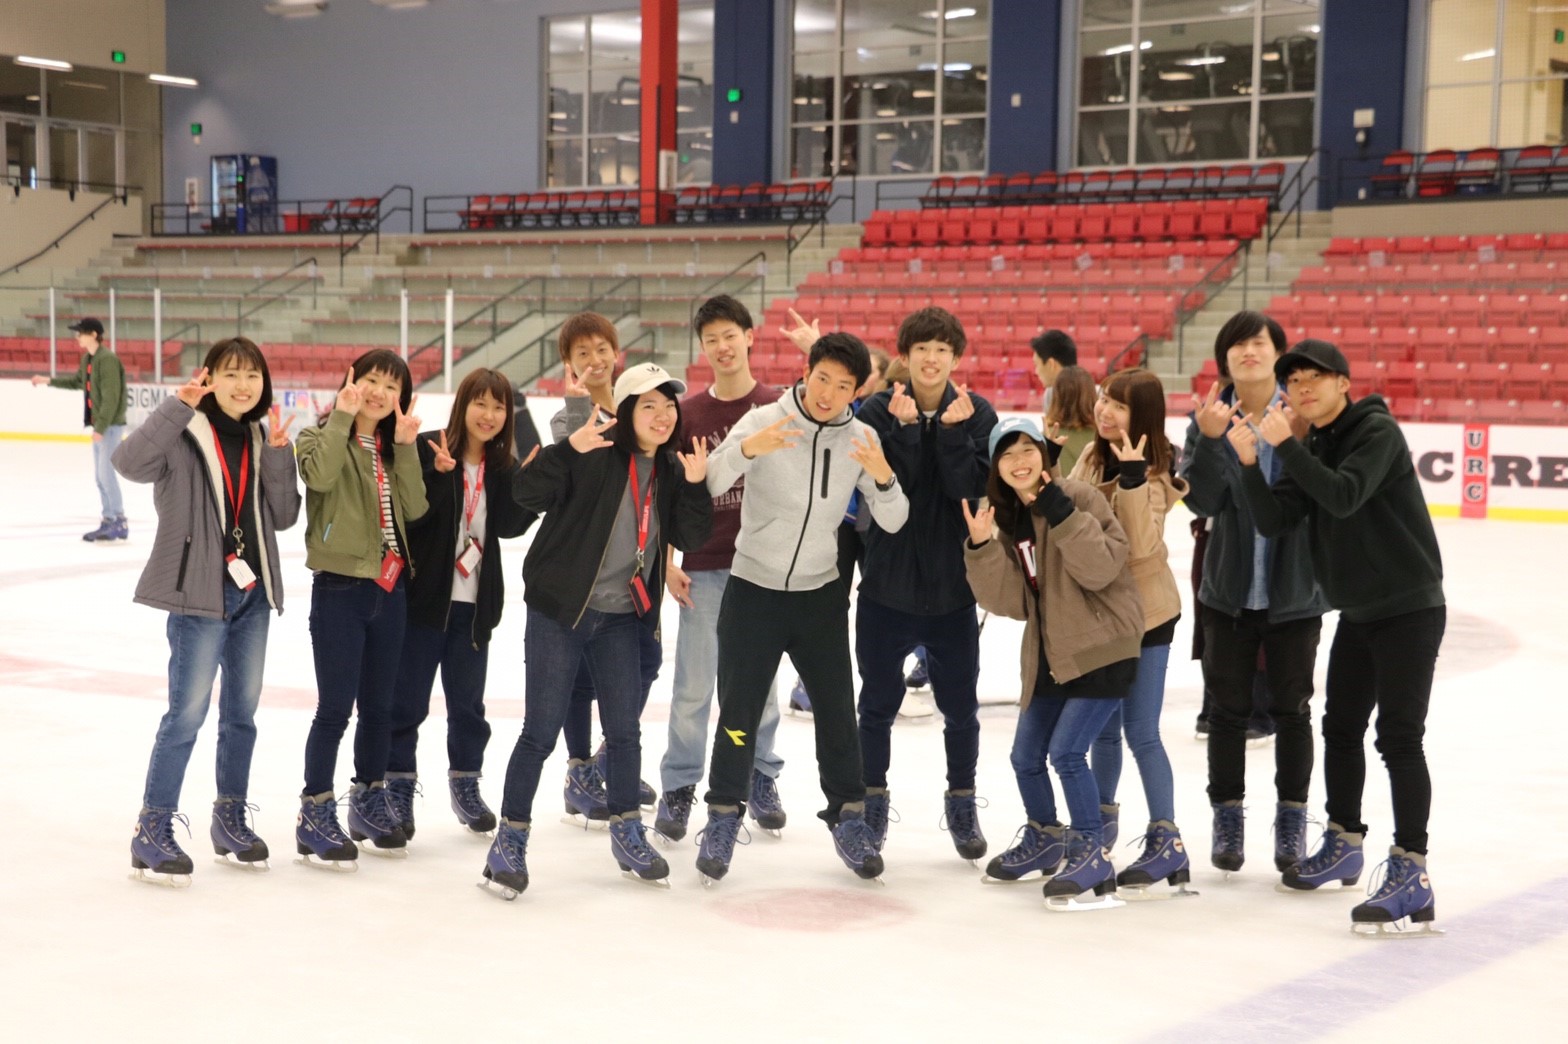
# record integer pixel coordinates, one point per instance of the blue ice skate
(1164, 859)
(1086, 870)
(401, 788)
(716, 843)
(371, 818)
(585, 799)
(633, 854)
(647, 797)
(855, 844)
(155, 856)
(1290, 834)
(319, 838)
(674, 812)
(1230, 831)
(232, 838)
(1404, 904)
(878, 813)
(1337, 861)
(468, 804)
(506, 866)
(962, 822)
(765, 808)
(1036, 849)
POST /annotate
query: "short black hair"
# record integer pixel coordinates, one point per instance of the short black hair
(245, 352)
(845, 349)
(624, 436)
(1055, 344)
(931, 324)
(1241, 327)
(722, 308)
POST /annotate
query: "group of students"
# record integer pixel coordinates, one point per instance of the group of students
(1312, 496)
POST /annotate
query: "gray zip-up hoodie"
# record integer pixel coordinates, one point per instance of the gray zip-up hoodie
(796, 498)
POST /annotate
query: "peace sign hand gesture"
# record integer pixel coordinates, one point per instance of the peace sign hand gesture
(774, 437)
(1127, 451)
(278, 434)
(960, 409)
(444, 462)
(574, 387)
(591, 435)
(981, 523)
(194, 390)
(695, 462)
(407, 424)
(349, 396)
(868, 454)
(1213, 416)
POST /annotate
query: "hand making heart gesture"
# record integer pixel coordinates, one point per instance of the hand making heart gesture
(960, 409)
(901, 405)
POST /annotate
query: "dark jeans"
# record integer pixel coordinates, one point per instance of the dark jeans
(356, 637)
(1385, 665)
(578, 730)
(757, 628)
(883, 639)
(608, 644)
(1230, 667)
(462, 667)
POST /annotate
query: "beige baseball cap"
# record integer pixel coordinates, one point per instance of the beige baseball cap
(644, 378)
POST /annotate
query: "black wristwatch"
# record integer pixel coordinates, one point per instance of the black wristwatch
(892, 480)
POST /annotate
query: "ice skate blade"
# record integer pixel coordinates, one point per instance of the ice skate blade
(256, 866)
(651, 882)
(1261, 741)
(500, 891)
(384, 853)
(1404, 929)
(1331, 887)
(338, 866)
(1151, 894)
(162, 880)
(708, 882)
(584, 823)
(1077, 904)
(1031, 875)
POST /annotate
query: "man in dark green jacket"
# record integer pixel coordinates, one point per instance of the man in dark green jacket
(1375, 555)
(101, 379)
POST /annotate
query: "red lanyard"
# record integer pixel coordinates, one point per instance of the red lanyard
(236, 501)
(471, 500)
(641, 512)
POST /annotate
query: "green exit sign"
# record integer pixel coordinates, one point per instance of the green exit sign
(732, 95)
(196, 129)
(117, 57)
(1557, 37)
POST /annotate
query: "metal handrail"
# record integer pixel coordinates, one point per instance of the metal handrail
(72, 185)
(314, 276)
(381, 217)
(596, 305)
(702, 295)
(493, 308)
(1139, 342)
(1301, 194)
(1210, 284)
(819, 223)
(169, 337)
(89, 216)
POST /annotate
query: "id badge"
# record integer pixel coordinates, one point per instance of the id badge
(468, 561)
(391, 569)
(641, 602)
(240, 573)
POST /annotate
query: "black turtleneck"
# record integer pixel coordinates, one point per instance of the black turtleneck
(233, 437)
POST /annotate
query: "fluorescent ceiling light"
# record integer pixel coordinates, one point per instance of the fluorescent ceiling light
(33, 97)
(1314, 28)
(802, 101)
(172, 81)
(44, 63)
(400, 5)
(922, 93)
(1210, 60)
(295, 8)
(952, 12)
(684, 108)
(1176, 74)
(1271, 56)
(558, 116)
(887, 112)
(1125, 48)
(949, 67)
(885, 136)
(84, 85)
(1476, 56)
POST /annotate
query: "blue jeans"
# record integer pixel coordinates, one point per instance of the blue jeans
(1140, 718)
(696, 677)
(463, 668)
(1060, 728)
(103, 472)
(609, 644)
(578, 730)
(198, 646)
(356, 636)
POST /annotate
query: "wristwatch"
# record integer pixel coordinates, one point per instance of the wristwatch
(892, 480)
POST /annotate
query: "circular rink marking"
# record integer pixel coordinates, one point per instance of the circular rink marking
(813, 909)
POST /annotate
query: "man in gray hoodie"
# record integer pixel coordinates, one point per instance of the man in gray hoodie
(803, 456)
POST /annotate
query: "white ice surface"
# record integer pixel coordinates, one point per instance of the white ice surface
(790, 947)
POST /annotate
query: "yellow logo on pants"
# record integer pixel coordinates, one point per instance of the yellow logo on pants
(737, 736)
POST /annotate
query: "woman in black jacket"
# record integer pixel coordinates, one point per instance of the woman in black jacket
(456, 592)
(610, 509)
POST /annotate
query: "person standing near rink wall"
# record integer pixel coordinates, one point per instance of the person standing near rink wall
(1375, 554)
(101, 378)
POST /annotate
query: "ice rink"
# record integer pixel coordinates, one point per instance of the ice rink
(790, 947)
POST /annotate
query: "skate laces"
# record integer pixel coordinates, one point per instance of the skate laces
(764, 793)
(724, 834)
(1324, 853)
(633, 839)
(163, 836)
(1290, 828)
(880, 812)
(324, 819)
(374, 808)
(467, 790)
(1229, 823)
(232, 815)
(959, 814)
(512, 844)
(1387, 878)
(1027, 844)
(591, 781)
(855, 837)
(679, 802)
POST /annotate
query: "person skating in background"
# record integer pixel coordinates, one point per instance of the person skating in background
(1375, 555)
(1132, 464)
(101, 378)
(1258, 597)
(802, 457)
(456, 592)
(1051, 553)
(723, 327)
(363, 487)
(611, 508)
(223, 485)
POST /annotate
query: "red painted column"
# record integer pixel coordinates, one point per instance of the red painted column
(659, 84)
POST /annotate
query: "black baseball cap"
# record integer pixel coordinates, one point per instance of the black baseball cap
(1311, 354)
(91, 326)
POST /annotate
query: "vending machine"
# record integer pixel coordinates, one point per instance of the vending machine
(244, 193)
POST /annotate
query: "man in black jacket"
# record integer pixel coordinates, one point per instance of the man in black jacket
(1375, 554)
(913, 588)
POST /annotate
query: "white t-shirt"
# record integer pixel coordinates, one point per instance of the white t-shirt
(466, 588)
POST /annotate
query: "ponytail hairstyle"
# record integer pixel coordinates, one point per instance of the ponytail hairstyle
(499, 450)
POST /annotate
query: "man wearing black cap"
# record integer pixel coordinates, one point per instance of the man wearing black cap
(1375, 555)
(102, 380)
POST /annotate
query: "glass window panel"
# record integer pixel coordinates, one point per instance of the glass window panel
(1285, 128)
(568, 42)
(1533, 113)
(1185, 10)
(886, 23)
(565, 104)
(1462, 36)
(62, 155)
(1274, 6)
(1102, 138)
(563, 162)
(1194, 133)
(1530, 47)
(613, 160)
(694, 104)
(1105, 69)
(964, 76)
(813, 96)
(615, 40)
(888, 148)
(143, 104)
(100, 157)
(959, 22)
(816, 25)
(810, 150)
(694, 35)
(1198, 60)
(963, 145)
(1458, 117)
(20, 88)
(89, 95)
(21, 151)
(889, 81)
(615, 101)
(1106, 12)
(694, 157)
(1290, 54)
